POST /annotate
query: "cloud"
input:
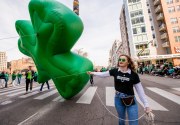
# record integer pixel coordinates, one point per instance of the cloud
(101, 26)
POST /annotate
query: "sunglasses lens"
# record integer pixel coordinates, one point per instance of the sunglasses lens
(122, 60)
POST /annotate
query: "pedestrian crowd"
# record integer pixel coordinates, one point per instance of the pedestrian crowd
(30, 77)
(163, 70)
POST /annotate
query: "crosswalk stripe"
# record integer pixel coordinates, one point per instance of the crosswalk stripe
(10, 88)
(166, 94)
(178, 89)
(28, 95)
(153, 104)
(34, 89)
(19, 89)
(87, 97)
(59, 99)
(41, 97)
(110, 93)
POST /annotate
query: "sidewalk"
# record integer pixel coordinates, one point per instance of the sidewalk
(161, 80)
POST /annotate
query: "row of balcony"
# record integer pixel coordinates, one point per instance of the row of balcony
(164, 36)
(158, 9)
(162, 27)
(156, 2)
(166, 44)
(160, 16)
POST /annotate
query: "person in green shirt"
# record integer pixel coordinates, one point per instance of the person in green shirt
(6, 79)
(13, 78)
(19, 75)
(29, 79)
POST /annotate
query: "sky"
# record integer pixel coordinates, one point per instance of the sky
(100, 19)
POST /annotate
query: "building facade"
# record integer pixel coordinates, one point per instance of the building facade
(3, 61)
(124, 35)
(114, 53)
(153, 30)
(139, 28)
(166, 22)
(21, 64)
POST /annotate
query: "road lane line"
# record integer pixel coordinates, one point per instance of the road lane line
(21, 123)
(34, 89)
(153, 104)
(41, 97)
(29, 94)
(178, 89)
(166, 94)
(87, 97)
(59, 99)
(6, 102)
(110, 93)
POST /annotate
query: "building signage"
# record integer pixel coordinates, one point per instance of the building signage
(177, 49)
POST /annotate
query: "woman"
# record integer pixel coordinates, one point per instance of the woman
(124, 80)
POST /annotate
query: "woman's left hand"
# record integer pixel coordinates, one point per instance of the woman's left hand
(147, 109)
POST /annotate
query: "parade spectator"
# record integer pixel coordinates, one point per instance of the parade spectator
(6, 79)
(19, 75)
(13, 78)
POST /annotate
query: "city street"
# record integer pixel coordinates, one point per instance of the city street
(48, 108)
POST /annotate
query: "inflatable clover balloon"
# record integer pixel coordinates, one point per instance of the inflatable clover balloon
(48, 39)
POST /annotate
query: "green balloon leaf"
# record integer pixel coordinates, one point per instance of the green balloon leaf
(48, 39)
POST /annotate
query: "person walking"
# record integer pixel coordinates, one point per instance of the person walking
(6, 79)
(124, 79)
(29, 79)
(19, 75)
(43, 85)
(13, 78)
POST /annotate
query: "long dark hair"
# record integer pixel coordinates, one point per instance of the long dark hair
(131, 63)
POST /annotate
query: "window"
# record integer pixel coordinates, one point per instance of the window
(135, 6)
(143, 29)
(178, 8)
(136, 13)
(133, 1)
(171, 9)
(174, 20)
(150, 18)
(177, 38)
(137, 20)
(149, 11)
(139, 29)
(169, 1)
(134, 31)
(153, 36)
(177, 1)
(152, 28)
(176, 29)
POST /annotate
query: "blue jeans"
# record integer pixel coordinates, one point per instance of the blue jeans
(43, 85)
(132, 111)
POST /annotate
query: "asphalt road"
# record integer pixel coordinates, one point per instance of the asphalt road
(48, 108)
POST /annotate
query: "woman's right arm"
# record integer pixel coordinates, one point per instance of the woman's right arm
(99, 74)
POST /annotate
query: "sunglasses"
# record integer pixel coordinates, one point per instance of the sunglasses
(122, 60)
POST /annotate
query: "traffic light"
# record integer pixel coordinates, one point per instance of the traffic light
(76, 6)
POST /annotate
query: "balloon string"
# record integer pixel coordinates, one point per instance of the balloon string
(11, 37)
(70, 75)
(114, 114)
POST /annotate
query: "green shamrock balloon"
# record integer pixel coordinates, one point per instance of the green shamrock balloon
(48, 39)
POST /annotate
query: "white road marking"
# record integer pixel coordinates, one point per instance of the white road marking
(6, 102)
(21, 123)
(41, 97)
(110, 93)
(178, 89)
(87, 97)
(166, 94)
(153, 104)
